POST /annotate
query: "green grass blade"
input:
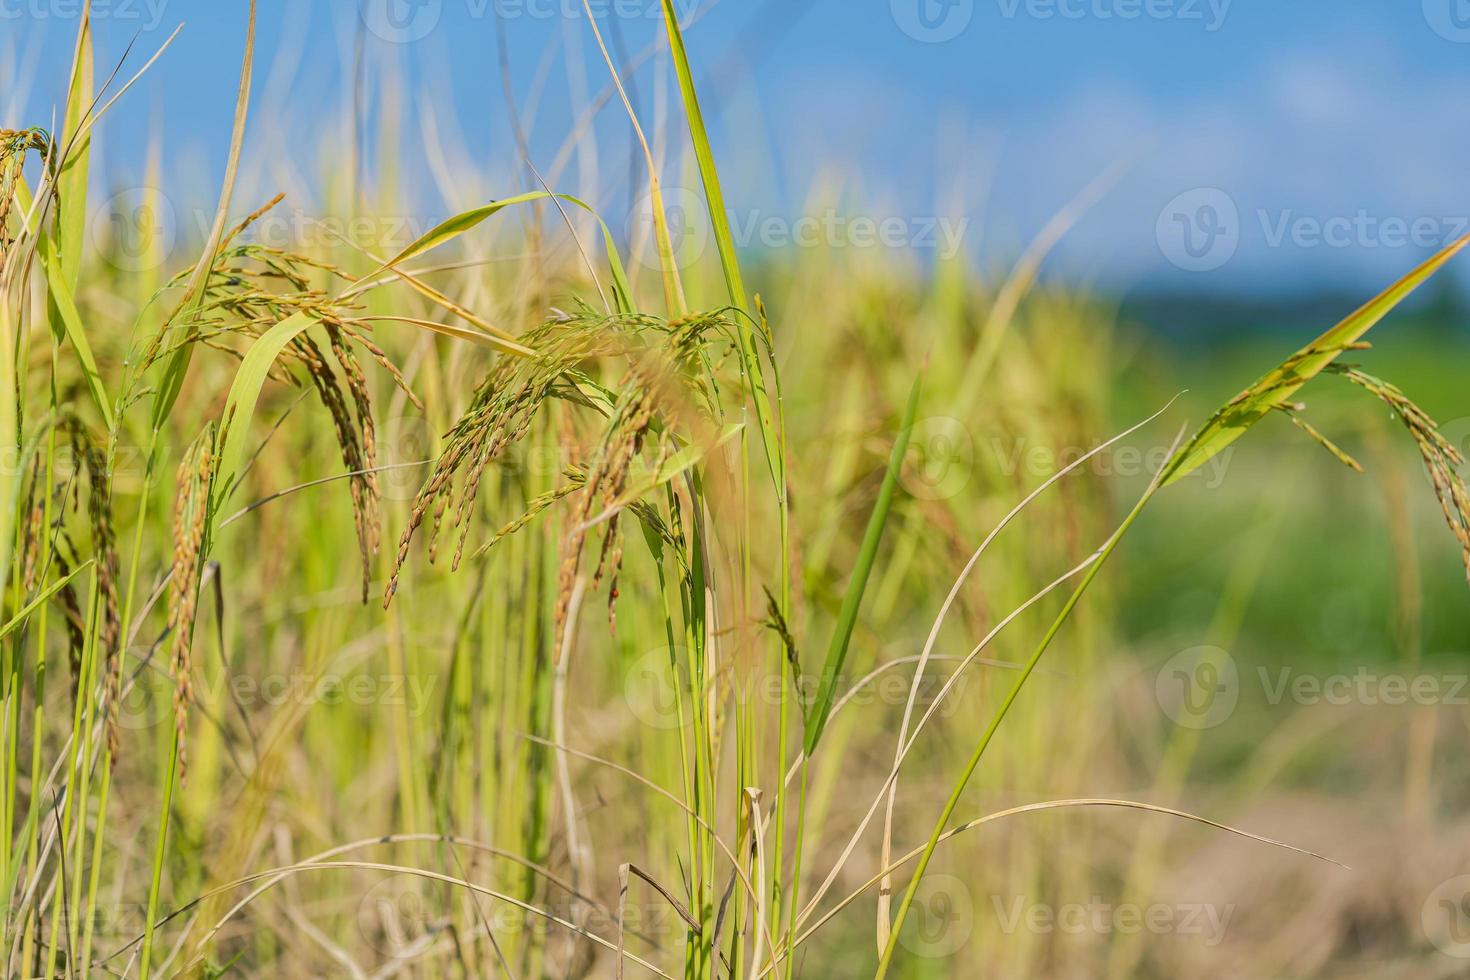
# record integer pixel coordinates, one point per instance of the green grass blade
(35, 603)
(172, 381)
(71, 184)
(1260, 399)
(451, 228)
(852, 600)
(725, 243)
(708, 174)
(63, 308)
(244, 393)
(64, 304)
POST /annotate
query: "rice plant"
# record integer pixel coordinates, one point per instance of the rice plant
(193, 513)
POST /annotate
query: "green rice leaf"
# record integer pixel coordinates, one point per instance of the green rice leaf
(71, 184)
(47, 593)
(65, 307)
(853, 599)
(172, 381)
(714, 195)
(1260, 399)
(451, 228)
(704, 155)
(244, 393)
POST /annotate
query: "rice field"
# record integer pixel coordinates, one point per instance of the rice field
(531, 593)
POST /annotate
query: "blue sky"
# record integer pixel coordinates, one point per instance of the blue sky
(1267, 144)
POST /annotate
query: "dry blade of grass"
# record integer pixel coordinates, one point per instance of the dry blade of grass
(904, 741)
(476, 337)
(917, 852)
(886, 959)
(1022, 279)
(300, 868)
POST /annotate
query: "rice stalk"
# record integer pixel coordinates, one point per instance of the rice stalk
(195, 476)
(659, 386)
(1443, 460)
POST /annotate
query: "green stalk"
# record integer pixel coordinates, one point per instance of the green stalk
(852, 599)
(160, 849)
(38, 714)
(80, 769)
(796, 873)
(94, 879)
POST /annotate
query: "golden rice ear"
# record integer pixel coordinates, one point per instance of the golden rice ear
(1442, 459)
(251, 292)
(105, 557)
(195, 478)
(667, 372)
